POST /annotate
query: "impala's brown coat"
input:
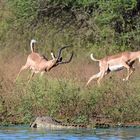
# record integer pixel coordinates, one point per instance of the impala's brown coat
(40, 64)
(115, 63)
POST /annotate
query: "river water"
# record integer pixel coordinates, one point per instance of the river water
(26, 133)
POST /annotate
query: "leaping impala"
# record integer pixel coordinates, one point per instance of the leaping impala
(40, 64)
(115, 63)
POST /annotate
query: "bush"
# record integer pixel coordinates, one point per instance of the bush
(97, 22)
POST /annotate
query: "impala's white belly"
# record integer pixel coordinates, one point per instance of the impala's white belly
(115, 67)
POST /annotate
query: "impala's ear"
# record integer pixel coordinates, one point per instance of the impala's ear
(52, 54)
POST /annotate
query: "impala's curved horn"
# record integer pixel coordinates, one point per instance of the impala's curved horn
(69, 60)
(60, 51)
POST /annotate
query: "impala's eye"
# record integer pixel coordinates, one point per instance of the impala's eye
(60, 59)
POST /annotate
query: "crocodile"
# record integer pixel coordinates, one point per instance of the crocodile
(51, 123)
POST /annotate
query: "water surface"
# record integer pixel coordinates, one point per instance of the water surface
(26, 133)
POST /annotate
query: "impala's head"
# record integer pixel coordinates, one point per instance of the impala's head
(59, 60)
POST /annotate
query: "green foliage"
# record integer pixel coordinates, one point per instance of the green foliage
(72, 2)
(63, 98)
(24, 9)
(115, 17)
(80, 22)
(25, 109)
(32, 100)
(68, 101)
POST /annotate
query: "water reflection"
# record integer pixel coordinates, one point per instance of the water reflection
(26, 133)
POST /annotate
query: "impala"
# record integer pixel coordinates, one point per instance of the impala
(40, 64)
(115, 63)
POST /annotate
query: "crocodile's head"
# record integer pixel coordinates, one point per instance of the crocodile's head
(44, 122)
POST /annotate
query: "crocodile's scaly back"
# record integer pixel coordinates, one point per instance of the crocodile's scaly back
(50, 123)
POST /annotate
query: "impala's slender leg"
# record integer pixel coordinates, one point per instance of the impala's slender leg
(128, 71)
(31, 76)
(103, 70)
(101, 76)
(132, 69)
(22, 68)
(93, 77)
